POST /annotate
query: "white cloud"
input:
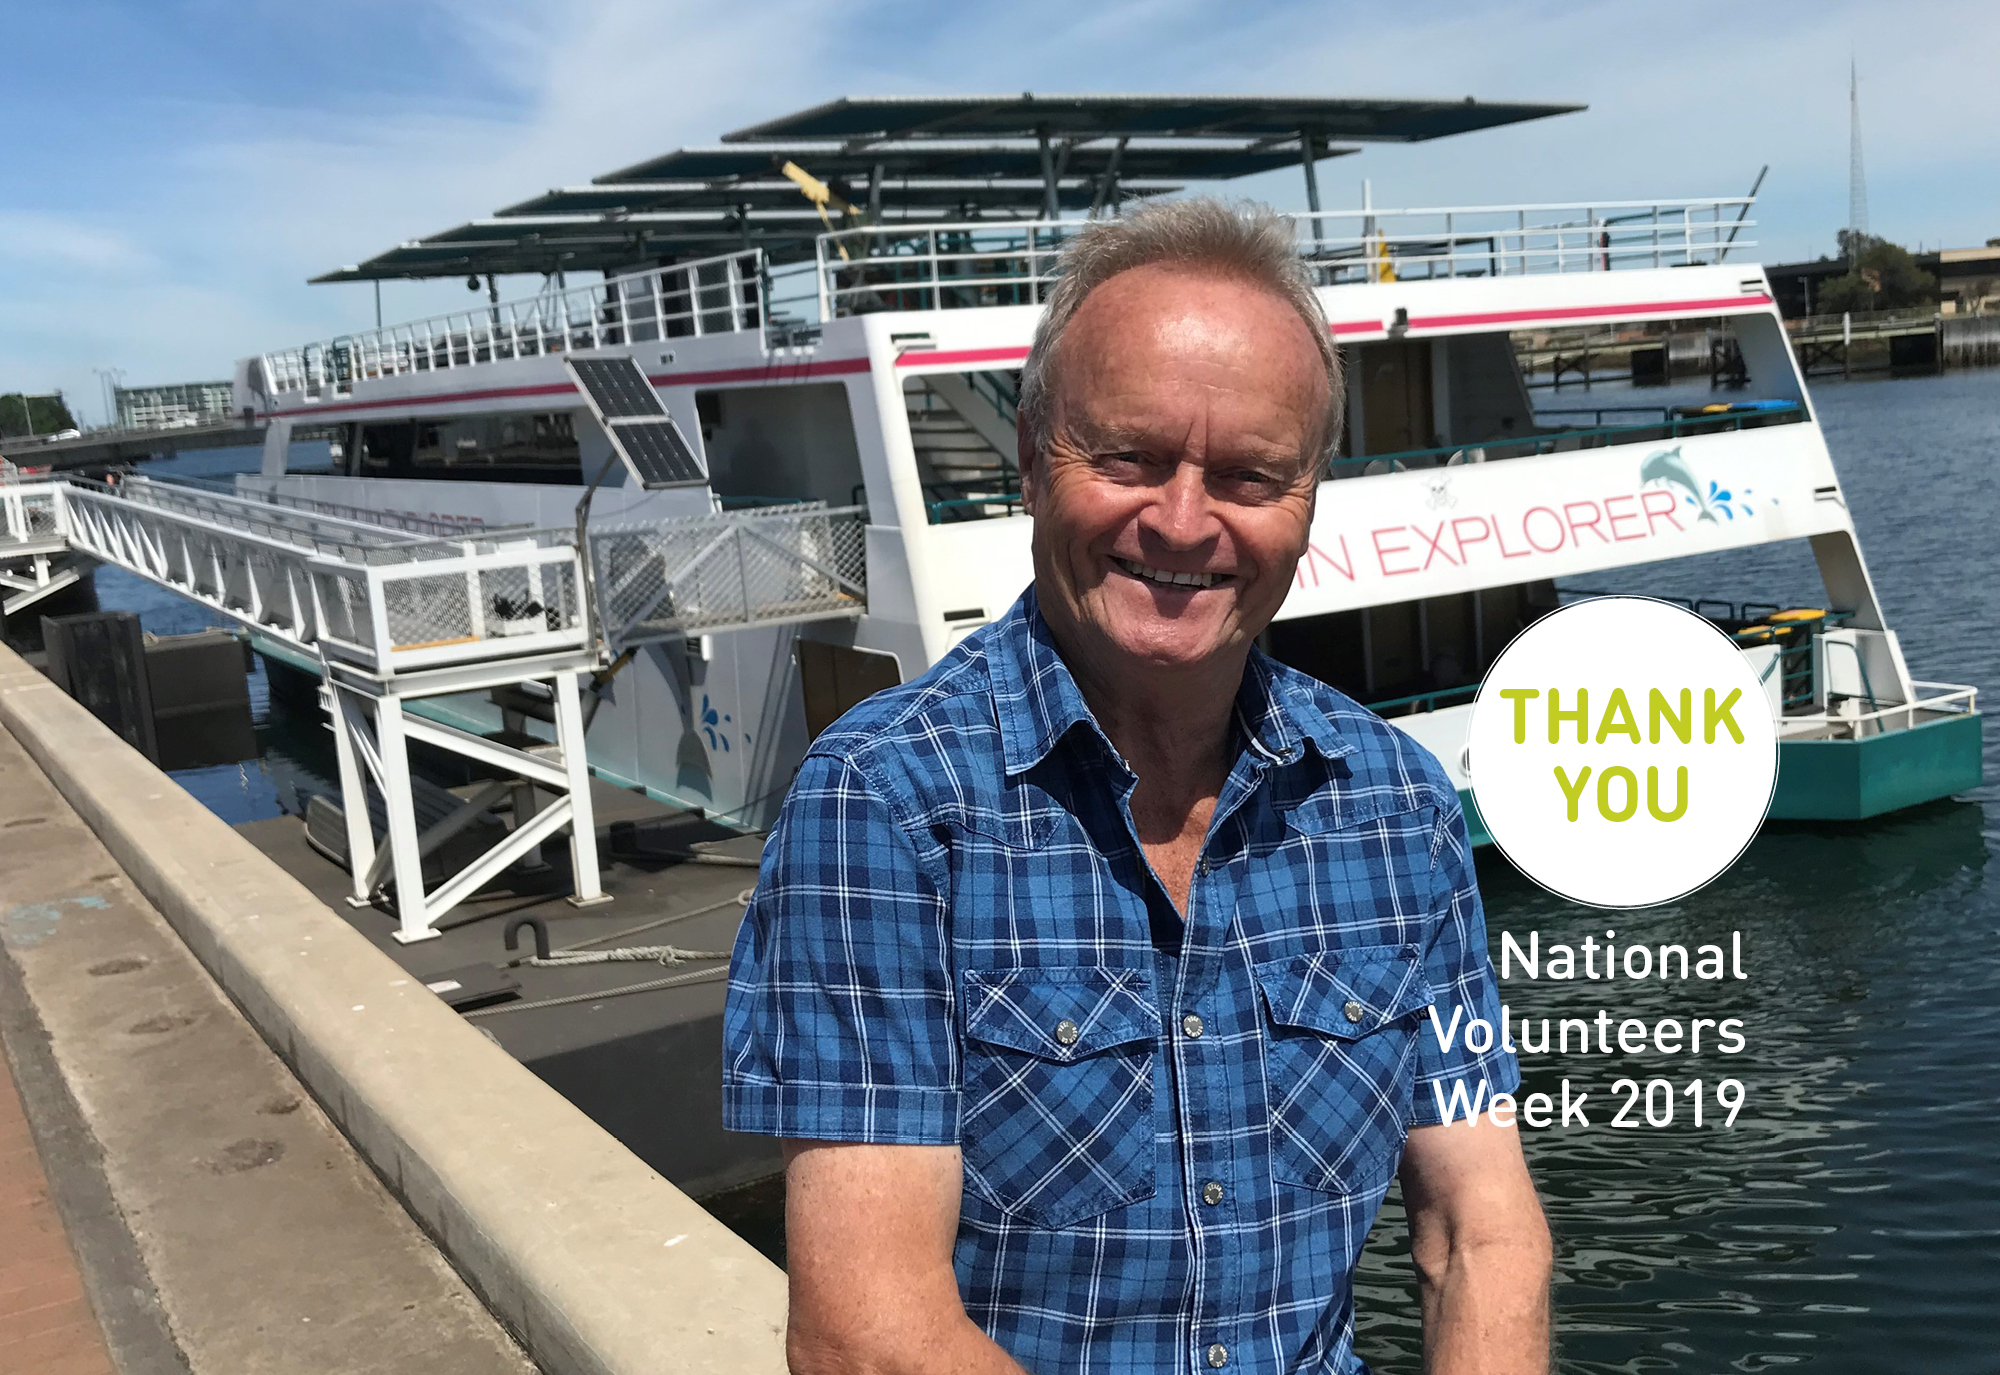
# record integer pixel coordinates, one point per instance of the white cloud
(32, 240)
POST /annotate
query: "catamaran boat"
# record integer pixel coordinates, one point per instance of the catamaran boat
(663, 526)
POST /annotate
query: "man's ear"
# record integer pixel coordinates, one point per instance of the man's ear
(1029, 459)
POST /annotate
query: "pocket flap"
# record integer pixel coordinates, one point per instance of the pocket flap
(1060, 1014)
(1334, 809)
(1345, 993)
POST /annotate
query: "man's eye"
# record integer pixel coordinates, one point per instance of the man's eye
(1251, 477)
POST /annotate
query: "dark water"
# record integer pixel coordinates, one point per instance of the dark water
(1850, 1220)
(294, 750)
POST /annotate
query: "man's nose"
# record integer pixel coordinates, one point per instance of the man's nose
(1181, 516)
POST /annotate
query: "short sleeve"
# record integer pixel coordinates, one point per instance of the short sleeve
(840, 1015)
(1464, 988)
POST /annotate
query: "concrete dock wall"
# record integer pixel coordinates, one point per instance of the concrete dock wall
(599, 1265)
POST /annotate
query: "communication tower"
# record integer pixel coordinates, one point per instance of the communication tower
(1857, 179)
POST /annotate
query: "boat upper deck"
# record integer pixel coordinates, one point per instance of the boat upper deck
(977, 264)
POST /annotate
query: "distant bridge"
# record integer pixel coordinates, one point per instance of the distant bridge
(101, 449)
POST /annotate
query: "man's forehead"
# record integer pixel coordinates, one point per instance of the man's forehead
(1190, 305)
(1141, 319)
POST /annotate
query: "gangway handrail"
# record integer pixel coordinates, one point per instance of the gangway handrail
(788, 564)
(393, 618)
(406, 521)
(320, 533)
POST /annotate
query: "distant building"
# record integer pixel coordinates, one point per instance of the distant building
(172, 406)
(1968, 280)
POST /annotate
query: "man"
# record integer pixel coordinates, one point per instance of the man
(1088, 977)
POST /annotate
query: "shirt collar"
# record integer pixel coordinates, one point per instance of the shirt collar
(1037, 700)
(1034, 695)
(1280, 717)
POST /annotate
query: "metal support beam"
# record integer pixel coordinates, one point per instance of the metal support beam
(372, 733)
(582, 817)
(1308, 156)
(1050, 206)
(1107, 185)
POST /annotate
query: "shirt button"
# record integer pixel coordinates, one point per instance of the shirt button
(1201, 865)
(1066, 1032)
(1218, 1355)
(1353, 1011)
(1211, 1193)
(1191, 1026)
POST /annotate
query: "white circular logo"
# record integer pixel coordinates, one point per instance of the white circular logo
(1624, 750)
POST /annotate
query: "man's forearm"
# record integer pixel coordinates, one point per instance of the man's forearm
(873, 1292)
(954, 1346)
(1486, 1307)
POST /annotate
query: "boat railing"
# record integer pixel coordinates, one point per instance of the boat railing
(949, 503)
(719, 295)
(1669, 426)
(1015, 262)
(1932, 700)
(1929, 702)
(984, 263)
(1370, 245)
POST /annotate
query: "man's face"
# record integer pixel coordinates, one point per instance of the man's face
(1173, 501)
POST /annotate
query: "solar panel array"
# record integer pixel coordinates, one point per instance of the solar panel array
(935, 159)
(617, 386)
(659, 451)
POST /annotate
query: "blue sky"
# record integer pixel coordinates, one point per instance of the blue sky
(175, 171)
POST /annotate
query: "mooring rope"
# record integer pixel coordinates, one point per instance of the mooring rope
(670, 981)
(632, 954)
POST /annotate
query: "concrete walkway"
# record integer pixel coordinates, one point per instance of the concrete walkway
(220, 1221)
(46, 1325)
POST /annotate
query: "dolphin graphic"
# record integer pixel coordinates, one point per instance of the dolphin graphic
(1668, 466)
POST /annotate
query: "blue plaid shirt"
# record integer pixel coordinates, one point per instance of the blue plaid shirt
(1175, 1134)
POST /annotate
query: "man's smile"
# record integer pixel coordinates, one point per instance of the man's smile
(1168, 578)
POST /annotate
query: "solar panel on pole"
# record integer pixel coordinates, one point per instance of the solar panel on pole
(617, 386)
(636, 422)
(659, 451)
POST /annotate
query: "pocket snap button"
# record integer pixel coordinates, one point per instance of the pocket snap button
(1066, 1032)
(1353, 1011)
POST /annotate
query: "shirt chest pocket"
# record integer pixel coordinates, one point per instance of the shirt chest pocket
(1340, 1062)
(1057, 1115)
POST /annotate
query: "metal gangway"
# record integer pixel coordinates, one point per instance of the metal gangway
(398, 609)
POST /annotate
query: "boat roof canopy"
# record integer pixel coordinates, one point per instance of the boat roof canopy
(870, 119)
(1179, 159)
(890, 160)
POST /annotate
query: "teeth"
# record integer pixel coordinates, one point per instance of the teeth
(1171, 579)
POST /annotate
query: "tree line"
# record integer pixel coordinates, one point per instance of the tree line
(1880, 276)
(24, 415)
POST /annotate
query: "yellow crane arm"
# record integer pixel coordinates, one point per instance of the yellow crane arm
(820, 194)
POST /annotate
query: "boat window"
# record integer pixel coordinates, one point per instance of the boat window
(962, 430)
(502, 448)
(836, 678)
(769, 446)
(1774, 599)
(1481, 398)
(1433, 651)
